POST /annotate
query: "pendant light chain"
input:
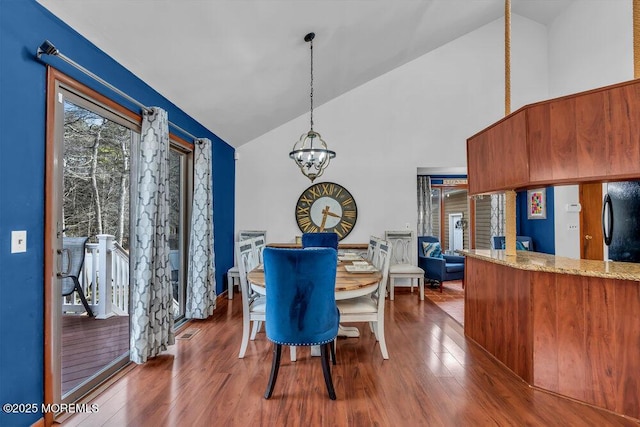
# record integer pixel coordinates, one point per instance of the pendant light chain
(311, 93)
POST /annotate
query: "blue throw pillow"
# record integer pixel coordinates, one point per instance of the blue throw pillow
(520, 246)
(432, 249)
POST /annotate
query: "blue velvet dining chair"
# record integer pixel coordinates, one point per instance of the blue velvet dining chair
(301, 306)
(320, 240)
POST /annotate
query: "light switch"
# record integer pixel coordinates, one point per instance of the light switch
(18, 241)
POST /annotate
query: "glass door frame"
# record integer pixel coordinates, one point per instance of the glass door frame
(61, 88)
(186, 190)
(53, 207)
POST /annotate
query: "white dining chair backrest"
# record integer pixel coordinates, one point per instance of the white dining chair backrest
(233, 274)
(383, 258)
(259, 243)
(402, 242)
(247, 260)
(372, 249)
(251, 234)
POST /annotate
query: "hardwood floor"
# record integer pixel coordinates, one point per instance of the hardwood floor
(434, 377)
(450, 300)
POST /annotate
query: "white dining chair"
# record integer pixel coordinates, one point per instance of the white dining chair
(253, 304)
(233, 275)
(402, 264)
(370, 308)
(249, 254)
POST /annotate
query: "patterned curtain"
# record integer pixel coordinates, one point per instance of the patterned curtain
(425, 227)
(151, 299)
(201, 282)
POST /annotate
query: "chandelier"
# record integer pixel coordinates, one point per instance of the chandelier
(310, 152)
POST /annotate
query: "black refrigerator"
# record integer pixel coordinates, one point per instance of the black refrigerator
(621, 220)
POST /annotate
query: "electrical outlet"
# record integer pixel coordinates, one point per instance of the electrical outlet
(18, 241)
(573, 227)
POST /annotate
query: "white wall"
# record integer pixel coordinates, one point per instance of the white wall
(418, 115)
(590, 46)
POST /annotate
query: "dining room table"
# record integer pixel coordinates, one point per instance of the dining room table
(355, 277)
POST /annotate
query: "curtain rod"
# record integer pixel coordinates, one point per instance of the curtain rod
(48, 48)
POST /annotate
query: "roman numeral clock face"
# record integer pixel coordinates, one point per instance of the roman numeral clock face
(326, 207)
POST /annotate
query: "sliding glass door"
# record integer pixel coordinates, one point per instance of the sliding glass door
(92, 147)
(95, 210)
(179, 188)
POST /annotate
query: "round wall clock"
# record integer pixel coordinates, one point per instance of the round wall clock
(326, 207)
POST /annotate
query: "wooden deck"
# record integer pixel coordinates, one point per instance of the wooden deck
(89, 345)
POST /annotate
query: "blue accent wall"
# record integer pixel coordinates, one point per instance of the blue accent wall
(542, 231)
(24, 25)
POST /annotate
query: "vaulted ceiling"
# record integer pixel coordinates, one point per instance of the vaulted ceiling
(241, 67)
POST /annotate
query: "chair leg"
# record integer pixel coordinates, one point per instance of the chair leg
(381, 339)
(391, 288)
(374, 329)
(275, 365)
(333, 351)
(83, 298)
(441, 287)
(246, 325)
(421, 286)
(230, 282)
(257, 325)
(326, 370)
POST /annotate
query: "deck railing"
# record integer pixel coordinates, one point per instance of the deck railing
(105, 272)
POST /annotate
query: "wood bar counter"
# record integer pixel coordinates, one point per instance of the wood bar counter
(568, 326)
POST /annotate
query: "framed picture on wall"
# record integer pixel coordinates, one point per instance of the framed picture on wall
(537, 203)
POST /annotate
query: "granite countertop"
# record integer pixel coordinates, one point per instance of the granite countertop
(536, 261)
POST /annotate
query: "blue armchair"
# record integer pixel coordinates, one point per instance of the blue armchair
(438, 267)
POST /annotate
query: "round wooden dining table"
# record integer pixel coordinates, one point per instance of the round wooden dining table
(348, 285)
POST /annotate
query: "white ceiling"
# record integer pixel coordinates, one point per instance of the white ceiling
(241, 67)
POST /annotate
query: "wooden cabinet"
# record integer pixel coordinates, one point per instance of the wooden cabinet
(497, 313)
(498, 157)
(623, 130)
(572, 335)
(586, 337)
(586, 137)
